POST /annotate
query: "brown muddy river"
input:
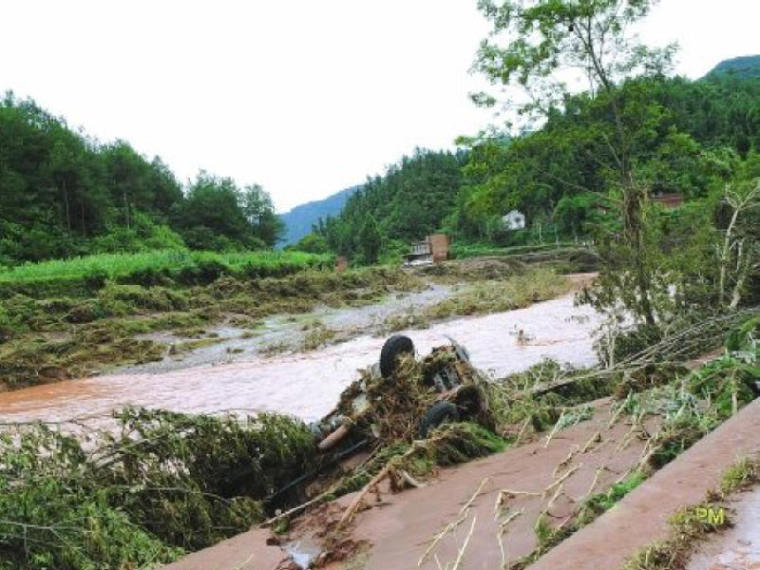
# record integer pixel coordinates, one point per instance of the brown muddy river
(308, 384)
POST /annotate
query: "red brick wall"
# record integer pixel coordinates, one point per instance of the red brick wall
(439, 247)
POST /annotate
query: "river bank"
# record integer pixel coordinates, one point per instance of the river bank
(155, 328)
(307, 384)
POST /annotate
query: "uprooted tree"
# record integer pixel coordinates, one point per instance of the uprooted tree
(537, 46)
(739, 249)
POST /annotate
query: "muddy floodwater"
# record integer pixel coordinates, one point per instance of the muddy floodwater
(307, 384)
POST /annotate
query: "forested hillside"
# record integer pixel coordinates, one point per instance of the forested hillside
(410, 200)
(64, 194)
(739, 67)
(687, 137)
(299, 221)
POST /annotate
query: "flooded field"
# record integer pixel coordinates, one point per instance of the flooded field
(287, 332)
(307, 384)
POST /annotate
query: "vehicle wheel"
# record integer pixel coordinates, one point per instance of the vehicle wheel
(394, 347)
(438, 414)
(471, 400)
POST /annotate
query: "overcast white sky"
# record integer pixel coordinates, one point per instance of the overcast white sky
(303, 97)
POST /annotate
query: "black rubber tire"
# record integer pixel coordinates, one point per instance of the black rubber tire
(395, 346)
(437, 415)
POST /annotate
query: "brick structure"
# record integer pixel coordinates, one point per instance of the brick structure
(439, 247)
(434, 249)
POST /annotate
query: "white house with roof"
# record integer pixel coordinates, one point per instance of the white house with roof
(514, 220)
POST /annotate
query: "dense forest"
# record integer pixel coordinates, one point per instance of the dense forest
(63, 193)
(688, 137)
(409, 201)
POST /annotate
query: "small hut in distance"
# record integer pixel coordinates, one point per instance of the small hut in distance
(433, 249)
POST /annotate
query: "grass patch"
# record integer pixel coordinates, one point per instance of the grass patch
(159, 485)
(566, 257)
(402, 321)
(317, 337)
(514, 401)
(195, 344)
(155, 265)
(496, 296)
(694, 523)
(274, 348)
(740, 475)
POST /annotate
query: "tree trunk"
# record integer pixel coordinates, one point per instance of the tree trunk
(66, 205)
(725, 250)
(633, 228)
(126, 208)
(81, 217)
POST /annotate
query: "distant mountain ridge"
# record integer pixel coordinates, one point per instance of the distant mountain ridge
(299, 220)
(745, 67)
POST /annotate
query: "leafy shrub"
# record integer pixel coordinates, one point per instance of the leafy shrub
(159, 484)
(629, 342)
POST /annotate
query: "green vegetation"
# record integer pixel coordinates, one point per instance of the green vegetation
(318, 336)
(174, 483)
(63, 194)
(493, 296)
(139, 253)
(408, 202)
(689, 137)
(590, 167)
(601, 502)
(162, 267)
(490, 288)
(159, 485)
(689, 404)
(687, 528)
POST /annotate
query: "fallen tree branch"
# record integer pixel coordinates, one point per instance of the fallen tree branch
(474, 495)
(562, 479)
(439, 536)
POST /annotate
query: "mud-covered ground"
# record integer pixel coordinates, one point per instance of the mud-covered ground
(584, 496)
(307, 384)
(167, 327)
(288, 333)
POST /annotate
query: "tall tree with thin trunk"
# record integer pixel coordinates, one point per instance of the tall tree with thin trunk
(540, 45)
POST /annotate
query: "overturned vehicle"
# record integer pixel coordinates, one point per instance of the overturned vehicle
(398, 399)
(400, 396)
